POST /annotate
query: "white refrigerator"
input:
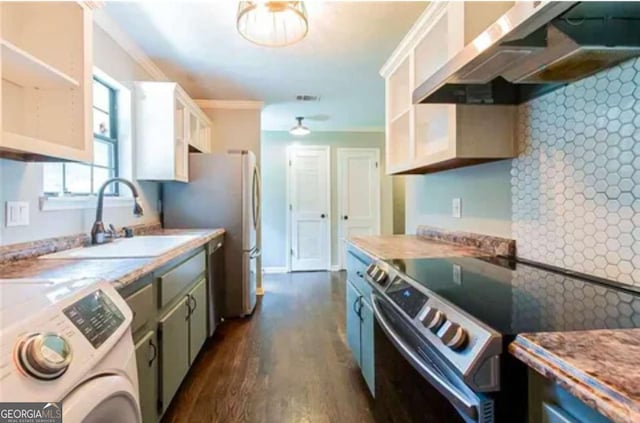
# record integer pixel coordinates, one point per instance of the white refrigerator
(223, 192)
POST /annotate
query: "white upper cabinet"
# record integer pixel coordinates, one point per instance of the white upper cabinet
(46, 74)
(169, 125)
(424, 138)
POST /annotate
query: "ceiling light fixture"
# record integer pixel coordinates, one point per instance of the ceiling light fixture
(272, 23)
(299, 129)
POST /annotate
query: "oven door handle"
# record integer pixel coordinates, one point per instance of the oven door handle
(458, 399)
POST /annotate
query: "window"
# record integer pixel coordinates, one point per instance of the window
(76, 179)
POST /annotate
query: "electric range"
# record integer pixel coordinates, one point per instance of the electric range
(453, 318)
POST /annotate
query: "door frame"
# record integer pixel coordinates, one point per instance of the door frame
(327, 150)
(341, 263)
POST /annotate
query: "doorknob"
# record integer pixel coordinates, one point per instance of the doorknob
(345, 217)
(323, 216)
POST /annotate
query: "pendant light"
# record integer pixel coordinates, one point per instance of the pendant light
(299, 129)
(272, 23)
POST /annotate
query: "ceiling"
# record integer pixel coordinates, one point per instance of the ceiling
(197, 45)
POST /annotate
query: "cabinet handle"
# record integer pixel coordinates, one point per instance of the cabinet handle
(155, 352)
(195, 303)
(358, 301)
(188, 303)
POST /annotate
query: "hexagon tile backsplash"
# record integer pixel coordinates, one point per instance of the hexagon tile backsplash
(576, 181)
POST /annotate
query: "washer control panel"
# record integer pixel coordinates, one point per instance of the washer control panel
(96, 316)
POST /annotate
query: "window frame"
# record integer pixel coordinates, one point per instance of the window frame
(112, 141)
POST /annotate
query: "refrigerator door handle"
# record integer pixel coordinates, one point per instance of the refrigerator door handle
(255, 209)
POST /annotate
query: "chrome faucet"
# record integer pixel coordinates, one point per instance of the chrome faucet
(99, 235)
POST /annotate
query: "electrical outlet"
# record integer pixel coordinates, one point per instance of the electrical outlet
(17, 213)
(457, 274)
(456, 208)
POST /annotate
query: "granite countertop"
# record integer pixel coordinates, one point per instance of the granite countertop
(385, 247)
(433, 242)
(121, 272)
(600, 367)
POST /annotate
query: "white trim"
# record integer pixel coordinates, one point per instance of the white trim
(81, 203)
(288, 245)
(230, 104)
(423, 25)
(108, 25)
(274, 269)
(339, 181)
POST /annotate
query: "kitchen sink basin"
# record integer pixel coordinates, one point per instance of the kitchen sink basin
(137, 247)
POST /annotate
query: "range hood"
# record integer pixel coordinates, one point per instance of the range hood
(535, 48)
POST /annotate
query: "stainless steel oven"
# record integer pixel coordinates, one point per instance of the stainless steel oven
(413, 384)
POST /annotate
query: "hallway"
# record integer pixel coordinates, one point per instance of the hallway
(288, 363)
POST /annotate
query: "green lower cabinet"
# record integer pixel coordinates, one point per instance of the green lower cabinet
(174, 350)
(366, 346)
(197, 319)
(353, 320)
(147, 361)
(550, 403)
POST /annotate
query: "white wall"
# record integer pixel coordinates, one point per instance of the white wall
(23, 181)
(274, 171)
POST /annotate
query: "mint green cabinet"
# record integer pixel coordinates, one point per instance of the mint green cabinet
(197, 318)
(366, 345)
(359, 316)
(353, 320)
(147, 361)
(174, 348)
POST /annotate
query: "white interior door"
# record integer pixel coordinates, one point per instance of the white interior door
(309, 206)
(358, 194)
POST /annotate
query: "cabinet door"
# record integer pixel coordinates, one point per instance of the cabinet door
(366, 346)
(147, 361)
(174, 350)
(353, 320)
(198, 318)
(181, 156)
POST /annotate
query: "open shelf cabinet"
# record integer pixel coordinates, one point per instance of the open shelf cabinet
(423, 138)
(46, 55)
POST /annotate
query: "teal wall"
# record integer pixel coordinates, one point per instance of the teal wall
(274, 181)
(485, 191)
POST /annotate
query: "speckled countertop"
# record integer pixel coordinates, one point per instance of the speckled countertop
(386, 247)
(600, 367)
(121, 272)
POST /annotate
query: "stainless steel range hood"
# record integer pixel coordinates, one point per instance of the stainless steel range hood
(535, 48)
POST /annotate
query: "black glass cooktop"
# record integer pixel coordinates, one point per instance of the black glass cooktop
(514, 298)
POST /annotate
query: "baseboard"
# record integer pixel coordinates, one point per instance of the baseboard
(275, 269)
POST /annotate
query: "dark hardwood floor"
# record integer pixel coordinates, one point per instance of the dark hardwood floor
(287, 363)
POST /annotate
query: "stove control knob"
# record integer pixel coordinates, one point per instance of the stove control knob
(433, 319)
(45, 356)
(453, 336)
(380, 277)
(371, 270)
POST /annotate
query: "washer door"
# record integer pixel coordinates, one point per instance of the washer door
(105, 399)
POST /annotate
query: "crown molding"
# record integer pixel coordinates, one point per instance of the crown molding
(230, 104)
(419, 29)
(108, 25)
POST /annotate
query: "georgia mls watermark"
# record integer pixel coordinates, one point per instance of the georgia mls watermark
(31, 412)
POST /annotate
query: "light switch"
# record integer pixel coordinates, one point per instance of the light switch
(456, 208)
(17, 213)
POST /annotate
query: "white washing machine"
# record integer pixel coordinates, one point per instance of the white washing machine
(68, 342)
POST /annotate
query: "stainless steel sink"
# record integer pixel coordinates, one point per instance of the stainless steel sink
(138, 247)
